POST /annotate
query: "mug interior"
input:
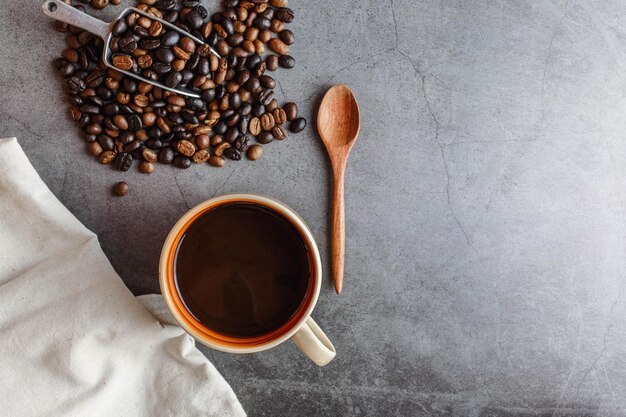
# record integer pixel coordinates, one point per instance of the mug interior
(205, 334)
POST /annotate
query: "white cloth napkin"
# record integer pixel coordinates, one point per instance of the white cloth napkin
(73, 339)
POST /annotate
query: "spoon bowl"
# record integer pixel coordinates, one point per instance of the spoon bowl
(338, 123)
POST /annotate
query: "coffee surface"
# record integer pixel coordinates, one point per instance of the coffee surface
(242, 269)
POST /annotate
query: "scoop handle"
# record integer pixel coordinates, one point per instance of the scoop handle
(59, 10)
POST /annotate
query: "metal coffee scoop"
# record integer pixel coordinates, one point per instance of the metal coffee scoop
(59, 10)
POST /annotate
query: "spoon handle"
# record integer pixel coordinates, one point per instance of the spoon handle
(68, 14)
(339, 231)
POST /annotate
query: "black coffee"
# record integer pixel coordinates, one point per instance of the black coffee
(242, 269)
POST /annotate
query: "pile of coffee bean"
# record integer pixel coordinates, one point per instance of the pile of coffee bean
(126, 120)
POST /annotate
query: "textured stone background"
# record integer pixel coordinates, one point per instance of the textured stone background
(485, 200)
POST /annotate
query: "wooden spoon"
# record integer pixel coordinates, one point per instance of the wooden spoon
(338, 124)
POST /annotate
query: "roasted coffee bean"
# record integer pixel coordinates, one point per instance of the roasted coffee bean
(286, 61)
(106, 142)
(231, 134)
(244, 122)
(245, 109)
(298, 125)
(161, 68)
(261, 22)
(280, 116)
(149, 44)
(76, 84)
(185, 147)
(201, 156)
(259, 70)
(120, 189)
(99, 4)
(267, 121)
(253, 84)
(123, 162)
(271, 62)
(272, 105)
(182, 162)
(67, 69)
(165, 4)
(278, 46)
(291, 110)
(277, 26)
(170, 38)
(279, 132)
(242, 143)
(216, 161)
(133, 146)
(173, 79)
(146, 167)
(122, 61)
(127, 44)
(266, 97)
(95, 78)
(287, 37)
(126, 137)
(265, 36)
(166, 156)
(233, 154)
(95, 149)
(252, 61)
(134, 123)
(255, 126)
(254, 152)
(194, 19)
(144, 61)
(267, 81)
(265, 137)
(285, 14)
(258, 109)
(202, 141)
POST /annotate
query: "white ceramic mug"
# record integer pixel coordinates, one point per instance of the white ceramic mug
(301, 328)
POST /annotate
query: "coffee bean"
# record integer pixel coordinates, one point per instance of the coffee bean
(173, 79)
(265, 137)
(127, 44)
(134, 123)
(298, 125)
(120, 189)
(166, 156)
(254, 126)
(272, 62)
(76, 85)
(95, 149)
(182, 162)
(291, 110)
(155, 29)
(123, 61)
(216, 161)
(194, 20)
(272, 105)
(107, 157)
(123, 162)
(170, 38)
(119, 27)
(267, 121)
(265, 36)
(232, 154)
(201, 156)
(280, 116)
(267, 81)
(144, 61)
(266, 97)
(146, 167)
(187, 44)
(279, 132)
(149, 44)
(286, 61)
(278, 46)
(254, 152)
(99, 4)
(287, 37)
(285, 14)
(279, 3)
(202, 141)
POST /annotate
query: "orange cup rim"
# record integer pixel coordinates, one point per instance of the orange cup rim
(202, 333)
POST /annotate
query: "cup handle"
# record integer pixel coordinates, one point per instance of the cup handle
(314, 343)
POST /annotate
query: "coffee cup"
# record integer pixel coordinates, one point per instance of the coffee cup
(225, 306)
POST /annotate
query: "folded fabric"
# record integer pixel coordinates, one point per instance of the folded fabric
(73, 339)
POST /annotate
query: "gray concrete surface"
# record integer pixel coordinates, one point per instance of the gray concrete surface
(486, 230)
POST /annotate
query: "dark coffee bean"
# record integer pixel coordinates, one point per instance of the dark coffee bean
(182, 162)
(252, 61)
(175, 118)
(67, 69)
(195, 103)
(227, 24)
(173, 79)
(110, 125)
(265, 137)
(149, 44)
(123, 161)
(153, 132)
(266, 97)
(193, 61)
(133, 146)
(279, 132)
(127, 44)
(89, 138)
(272, 62)
(228, 113)
(194, 19)
(298, 125)
(235, 39)
(192, 4)
(126, 137)
(243, 124)
(242, 143)
(120, 189)
(111, 109)
(232, 120)
(166, 156)
(285, 14)
(213, 39)
(75, 100)
(287, 37)
(187, 76)
(286, 61)
(141, 31)
(190, 118)
(154, 144)
(106, 142)
(129, 85)
(76, 84)
(165, 4)
(291, 111)
(171, 16)
(235, 100)
(134, 123)
(208, 95)
(104, 93)
(259, 70)
(161, 68)
(119, 27)
(267, 81)
(233, 154)
(261, 22)
(245, 109)
(90, 108)
(84, 120)
(164, 55)
(220, 128)
(268, 13)
(203, 67)
(253, 84)
(231, 134)
(125, 109)
(170, 38)
(83, 61)
(220, 91)
(203, 12)
(258, 109)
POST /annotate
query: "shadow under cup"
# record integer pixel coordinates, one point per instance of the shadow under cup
(201, 331)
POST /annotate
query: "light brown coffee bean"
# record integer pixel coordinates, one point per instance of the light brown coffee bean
(181, 53)
(213, 62)
(185, 147)
(144, 61)
(121, 61)
(272, 62)
(179, 65)
(280, 116)
(279, 132)
(176, 100)
(217, 161)
(219, 149)
(141, 100)
(254, 152)
(146, 167)
(120, 189)
(278, 46)
(120, 121)
(279, 3)
(107, 157)
(251, 33)
(155, 29)
(95, 149)
(254, 127)
(144, 22)
(265, 35)
(216, 140)
(206, 29)
(203, 141)
(267, 121)
(201, 156)
(144, 87)
(277, 26)
(149, 155)
(259, 47)
(187, 44)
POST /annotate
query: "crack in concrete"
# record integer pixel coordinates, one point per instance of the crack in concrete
(422, 78)
(280, 87)
(221, 187)
(395, 22)
(181, 192)
(24, 126)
